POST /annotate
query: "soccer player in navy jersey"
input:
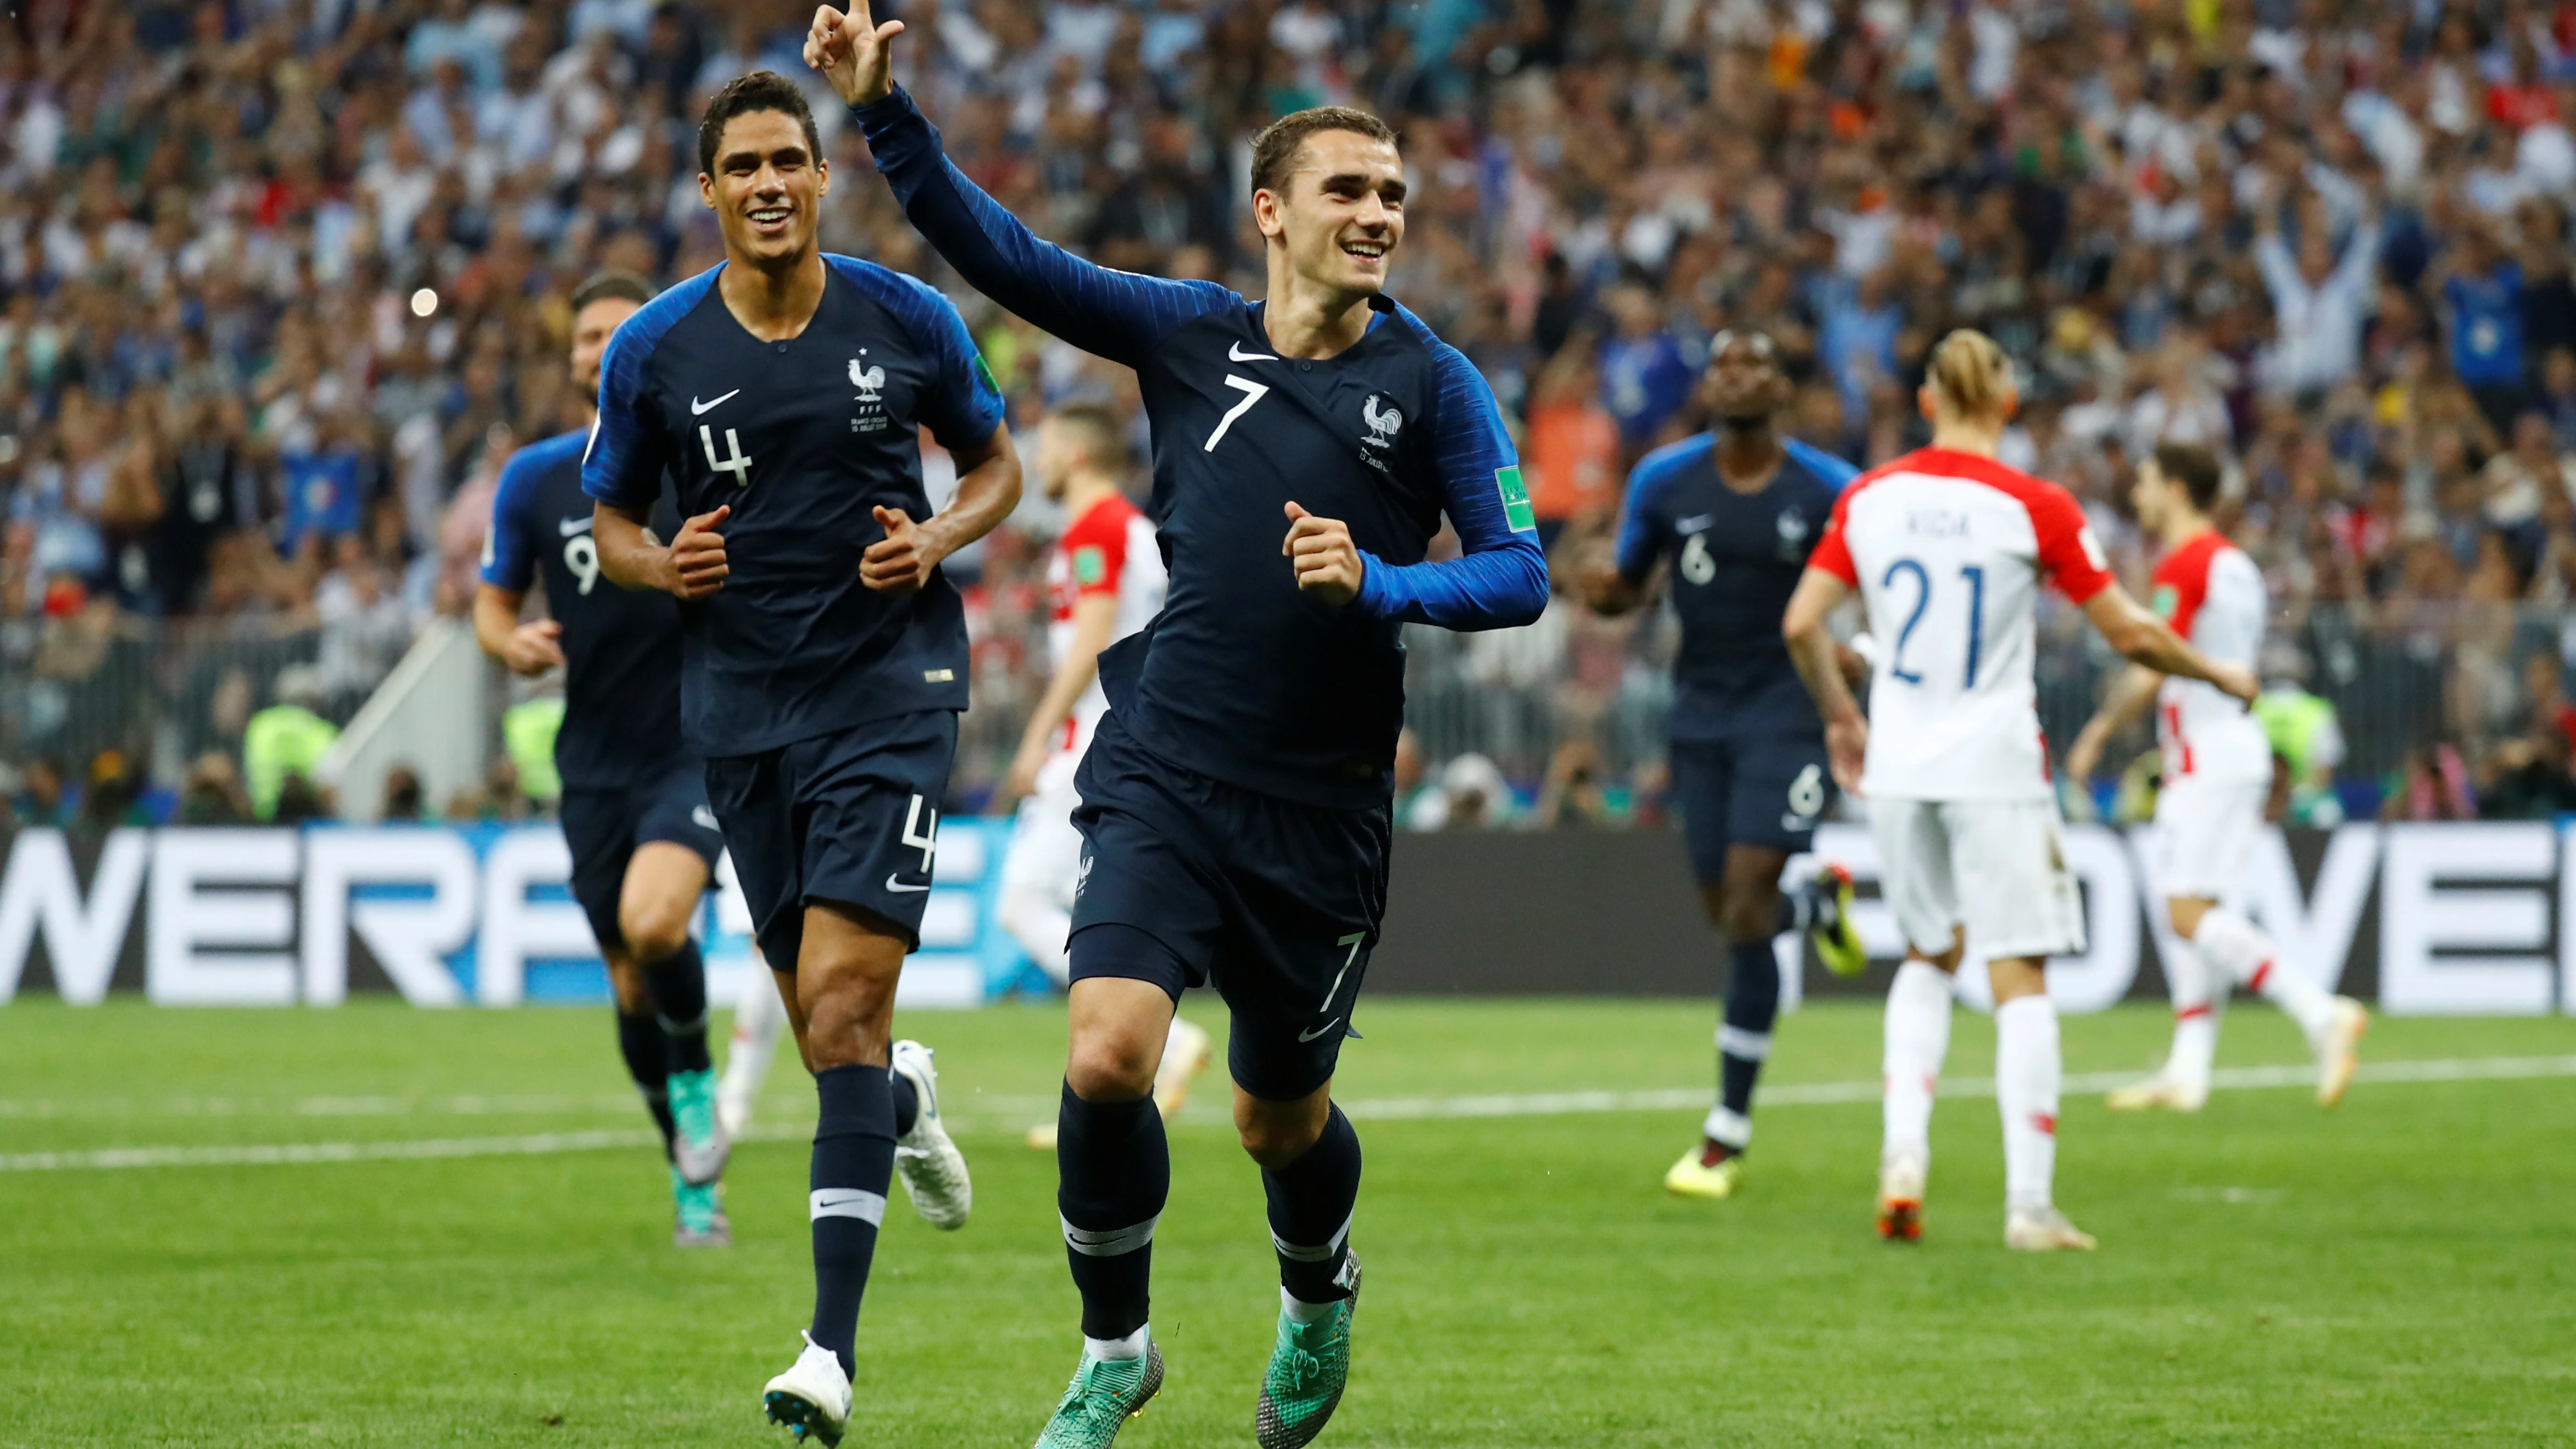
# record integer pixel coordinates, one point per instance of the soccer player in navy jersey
(1236, 798)
(1735, 511)
(635, 795)
(823, 653)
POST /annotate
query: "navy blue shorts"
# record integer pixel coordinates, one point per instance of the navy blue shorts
(1767, 791)
(849, 817)
(604, 827)
(1273, 903)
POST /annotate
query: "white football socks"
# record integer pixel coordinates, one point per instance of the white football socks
(1115, 1349)
(2027, 1071)
(1918, 1037)
(2195, 1032)
(2238, 947)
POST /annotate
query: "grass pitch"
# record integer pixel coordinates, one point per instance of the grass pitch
(2396, 1272)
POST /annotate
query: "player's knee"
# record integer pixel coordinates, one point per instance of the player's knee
(653, 928)
(1112, 1065)
(1276, 1139)
(1748, 915)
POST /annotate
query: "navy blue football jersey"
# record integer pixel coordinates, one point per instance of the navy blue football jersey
(1243, 677)
(621, 647)
(1736, 559)
(804, 439)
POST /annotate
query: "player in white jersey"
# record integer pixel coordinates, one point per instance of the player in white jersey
(1104, 582)
(2217, 777)
(1949, 548)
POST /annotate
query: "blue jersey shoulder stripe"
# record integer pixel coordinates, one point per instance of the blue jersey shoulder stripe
(967, 405)
(1640, 541)
(623, 464)
(1833, 472)
(510, 547)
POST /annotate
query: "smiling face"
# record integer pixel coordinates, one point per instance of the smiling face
(766, 188)
(1340, 213)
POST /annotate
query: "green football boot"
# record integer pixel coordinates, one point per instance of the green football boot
(698, 1216)
(1829, 922)
(1104, 1395)
(1308, 1368)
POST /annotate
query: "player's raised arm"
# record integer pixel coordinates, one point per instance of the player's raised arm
(1501, 581)
(1118, 315)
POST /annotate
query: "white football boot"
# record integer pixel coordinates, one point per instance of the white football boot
(812, 1398)
(926, 1158)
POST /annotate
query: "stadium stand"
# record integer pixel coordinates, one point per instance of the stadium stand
(285, 279)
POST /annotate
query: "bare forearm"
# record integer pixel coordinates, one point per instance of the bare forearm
(496, 614)
(2130, 695)
(986, 494)
(1817, 657)
(627, 553)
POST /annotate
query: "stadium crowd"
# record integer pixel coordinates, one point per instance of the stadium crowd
(283, 281)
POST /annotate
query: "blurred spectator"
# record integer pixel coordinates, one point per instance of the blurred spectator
(299, 801)
(113, 795)
(497, 799)
(405, 801)
(38, 798)
(212, 793)
(1470, 794)
(287, 738)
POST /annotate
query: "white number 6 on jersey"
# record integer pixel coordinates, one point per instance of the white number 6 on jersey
(1697, 566)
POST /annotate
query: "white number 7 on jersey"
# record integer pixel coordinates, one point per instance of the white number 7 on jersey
(1252, 392)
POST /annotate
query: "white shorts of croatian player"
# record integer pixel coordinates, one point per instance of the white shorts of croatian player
(1040, 873)
(2209, 827)
(1996, 866)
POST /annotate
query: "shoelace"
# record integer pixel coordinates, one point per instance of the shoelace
(1090, 1402)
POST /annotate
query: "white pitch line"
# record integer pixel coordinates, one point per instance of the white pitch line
(1382, 1109)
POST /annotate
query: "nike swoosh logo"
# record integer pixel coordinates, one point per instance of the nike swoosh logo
(1234, 353)
(699, 409)
(1319, 1031)
(571, 526)
(705, 817)
(1694, 523)
(893, 884)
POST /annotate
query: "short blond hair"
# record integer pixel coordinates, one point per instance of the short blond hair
(1969, 375)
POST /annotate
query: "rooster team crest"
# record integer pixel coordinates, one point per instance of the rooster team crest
(1382, 425)
(870, 381)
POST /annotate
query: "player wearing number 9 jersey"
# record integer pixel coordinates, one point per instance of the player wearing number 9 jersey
(1236, 799)
(1950, 548)
(634, 794)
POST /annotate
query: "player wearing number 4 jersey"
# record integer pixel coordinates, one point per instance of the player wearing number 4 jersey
(2217, 775)
(823, 653)
(635, 796)
(1949, 548)
(1736, 509)
(1236, 800)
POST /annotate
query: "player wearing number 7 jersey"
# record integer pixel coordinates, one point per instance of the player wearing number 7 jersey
(1949, 548)
(1236, 798)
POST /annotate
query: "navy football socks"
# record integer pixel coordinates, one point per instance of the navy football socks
(1310, 1213)
(679, 986)
(1114, 1171)
(1744, 1041)
(640, 1042)
(853, 1167)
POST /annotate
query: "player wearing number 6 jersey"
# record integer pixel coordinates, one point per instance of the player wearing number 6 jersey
(783, 394)
(2217, 775)
(1736, 510)
(635, 795)
(1949, 548)
(1236, 799)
